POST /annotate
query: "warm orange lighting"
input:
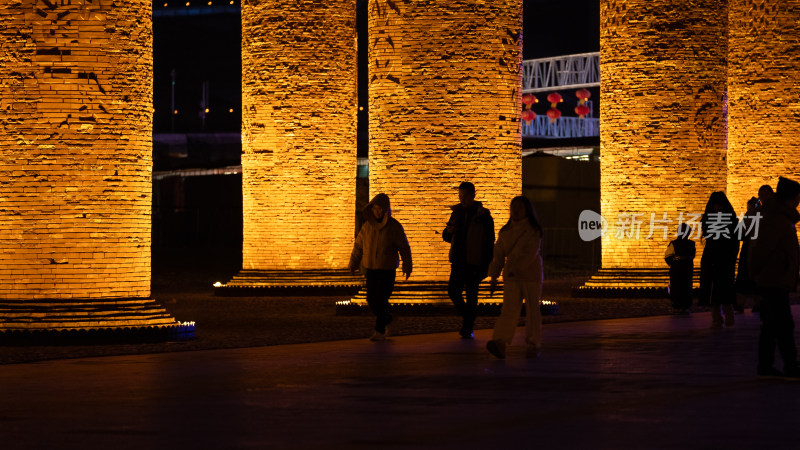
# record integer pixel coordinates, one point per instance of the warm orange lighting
(175, 112)
(77, 213)
(297, 168)
(206, 110)
(230, 110)
(653, 162)
(441, 148)
(762, 76)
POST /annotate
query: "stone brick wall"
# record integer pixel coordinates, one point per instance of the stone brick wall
(444, 108)
(298, 133)
(75, 148)
(662, 122)
(764, 113)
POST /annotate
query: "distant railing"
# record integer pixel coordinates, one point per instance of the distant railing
(563, 127)
(561, 72)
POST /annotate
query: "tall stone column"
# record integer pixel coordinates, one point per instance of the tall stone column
(662, 122)
(298, 134)
(444, 90)
(764, 111)
(75, 149)
(76, 171)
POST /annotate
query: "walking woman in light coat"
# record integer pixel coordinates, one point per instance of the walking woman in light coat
(375, 251)
(518, 253)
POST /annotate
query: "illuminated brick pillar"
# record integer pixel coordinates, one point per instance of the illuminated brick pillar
(662, 124)
(298, 133)
(75, 149)
(444, 108)
(763, 73)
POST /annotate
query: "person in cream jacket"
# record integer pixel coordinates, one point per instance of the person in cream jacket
(518, 254)
(375, 251)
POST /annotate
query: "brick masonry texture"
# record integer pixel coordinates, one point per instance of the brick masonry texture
(764, 112)
(298, 133)
(76, 163)
(663, 125)
(444, 80)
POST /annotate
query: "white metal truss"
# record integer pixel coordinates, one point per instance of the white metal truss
(563, 127)
(561, 72)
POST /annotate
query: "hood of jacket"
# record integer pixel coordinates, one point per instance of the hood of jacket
(774, 255)
(778, 207)
(383, 201)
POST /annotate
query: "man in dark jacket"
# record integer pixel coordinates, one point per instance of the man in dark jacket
(773, 262)
(470, 232)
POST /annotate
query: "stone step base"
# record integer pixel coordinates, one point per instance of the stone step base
(423, 292)
(21, 319)
(430, 298)
(628, 283)
(290, 282)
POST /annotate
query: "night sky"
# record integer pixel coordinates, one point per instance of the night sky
(207, 48)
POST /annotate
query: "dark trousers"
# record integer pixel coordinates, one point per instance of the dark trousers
(681, 274)
(777, 329)
(380, 284)
(717, 279)
(465, 279)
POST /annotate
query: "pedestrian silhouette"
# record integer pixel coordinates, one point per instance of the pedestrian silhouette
(745, 287)
(680, 258)
(376, 248)
(518, 254)
(773, 262)
(718, 263)
(470, 232)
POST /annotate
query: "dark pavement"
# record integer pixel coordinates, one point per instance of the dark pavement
(663, 382)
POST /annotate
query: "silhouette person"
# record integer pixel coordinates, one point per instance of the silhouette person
(773, 262)
(718, 263)
(470, 232)
(680, 258)
(518, 254)
(376, 248)
(744, 285)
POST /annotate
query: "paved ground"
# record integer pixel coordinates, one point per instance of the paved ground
(663, 382)
(289, 373)
(182, 282)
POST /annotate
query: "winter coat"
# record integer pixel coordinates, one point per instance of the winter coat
(473, 240)
(378, 244)
(680, 255)
(518, 253)
(774, 256)
(680, 250)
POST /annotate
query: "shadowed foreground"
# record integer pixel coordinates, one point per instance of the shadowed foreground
(655, 382)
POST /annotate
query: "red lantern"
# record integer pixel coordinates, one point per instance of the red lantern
(554, 99)
(582, 111)
(527, 116)
(553, 114)
(528, 100)
(583, 95)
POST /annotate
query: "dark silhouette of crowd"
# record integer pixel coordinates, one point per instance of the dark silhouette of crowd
(763, 243)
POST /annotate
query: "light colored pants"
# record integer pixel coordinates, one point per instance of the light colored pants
(514, 292)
